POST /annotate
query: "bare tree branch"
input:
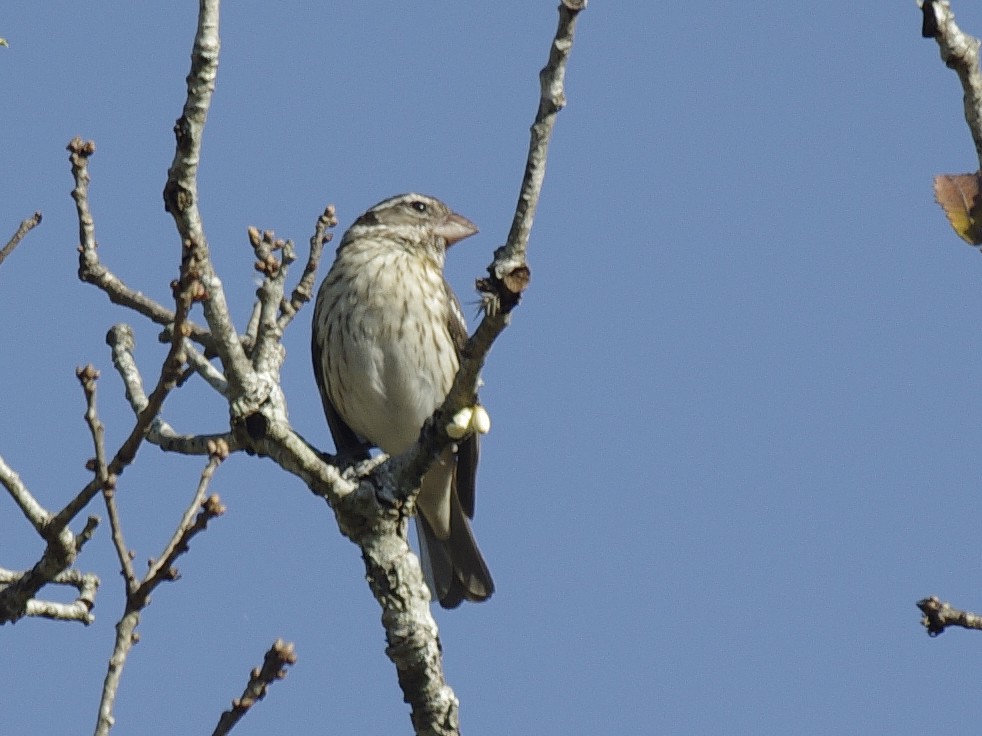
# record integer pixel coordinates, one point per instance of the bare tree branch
(123, 552)
(304, 290)
(187, 290)
(90, 269)
(373, 501)
(79, 610)
(277, 659)
(17, 595)
(267, 352)
(122, 342)
(960, 52)
(120, 339)
(197, 282)
(195, 520)
(88, 376)
(508, 273)
(59, 555)
(551, 100)
(181, 195)
(204, 368)
(33, 511)
(25, 227)
(939, 615)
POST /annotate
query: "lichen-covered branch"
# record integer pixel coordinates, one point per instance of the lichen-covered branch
(18, 593)
(120, 339)
(939, 615)
(959, 51)
(59, 555)
(78, 610)
(181, 194)
(959, 196)
(33, 511)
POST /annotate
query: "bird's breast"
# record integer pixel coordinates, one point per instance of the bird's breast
(396, 360)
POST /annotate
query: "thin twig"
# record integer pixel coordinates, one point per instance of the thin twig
(304, 290)
(25, 227)
(552, 99)
(33, 511)
(194, 521)
(88, 378)
(169, 373)
(277, 659)
(267, 353)
(188, 289)
(91, 270)
(160, 433)
(123, 552)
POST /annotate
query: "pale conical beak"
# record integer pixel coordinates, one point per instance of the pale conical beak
(454, 228)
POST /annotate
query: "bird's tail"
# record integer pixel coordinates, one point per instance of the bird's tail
(454, 568)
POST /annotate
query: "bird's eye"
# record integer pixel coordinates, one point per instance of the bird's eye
(418, 206)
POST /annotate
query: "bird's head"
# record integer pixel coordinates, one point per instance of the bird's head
(415, 218)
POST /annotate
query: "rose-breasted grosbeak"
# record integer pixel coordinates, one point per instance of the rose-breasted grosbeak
(386, 339)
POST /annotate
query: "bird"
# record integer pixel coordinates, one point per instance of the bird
(386, 340)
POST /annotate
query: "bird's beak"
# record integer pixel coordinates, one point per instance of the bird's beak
(454, 228)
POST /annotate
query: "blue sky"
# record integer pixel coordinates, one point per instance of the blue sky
(735, 418)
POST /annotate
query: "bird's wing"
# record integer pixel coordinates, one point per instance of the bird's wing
(346, 442)
(468, 454)
(468, 451)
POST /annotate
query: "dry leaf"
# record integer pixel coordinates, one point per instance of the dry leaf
(958, 195)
